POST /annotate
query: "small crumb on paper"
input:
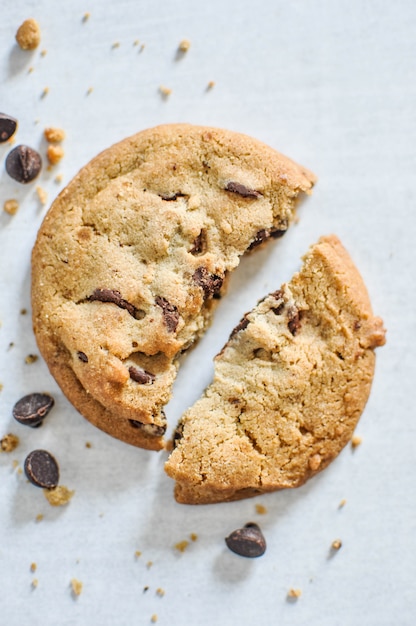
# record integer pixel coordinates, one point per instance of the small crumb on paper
(59, 496)
(294, 594)
(9, 443)
(11, 206)
(356, 441)
(182, 545)
(260, 509)
(28, 34)
(76, 587)
(184, 45)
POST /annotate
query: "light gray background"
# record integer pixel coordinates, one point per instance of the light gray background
(333, 85)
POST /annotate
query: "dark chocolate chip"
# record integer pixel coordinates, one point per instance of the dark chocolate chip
(294, 317)
(83, 357)
(170, 313)
(248, 541)
(242, 324)
(32, 409)
(114, 296)
(279, 231)
(242, 190)
(172, 197)
(177, 435)
(200, 244)
(210, 283)
(42, 469)
(278, 295)
(23, 164)
(141, 376)
(150, 429)
(260, 237)
(8, 127)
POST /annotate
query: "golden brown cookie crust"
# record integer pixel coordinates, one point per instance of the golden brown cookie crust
(288, 388)
(132, 255)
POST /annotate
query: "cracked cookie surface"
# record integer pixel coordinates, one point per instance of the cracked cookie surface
(133, 254)
(288, 389)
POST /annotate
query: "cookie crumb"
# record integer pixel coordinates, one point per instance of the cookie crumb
(149, 564)
(34, 583)
(153, 619)
(23, 311)
(42, 195)
(165, 92)
(181, 545)
(28, 34)
(160, 592)
(33, 567)
(116, 44)
(146, 588)
(9, 443)
(54, 135)
(88, 444)
(136, 42)
(193, 536)
(54, 154)
(43, 53)
(137, 554)
(336, 544)
(294, 594)
(184, 46)
(44, 92)
(39, 517)
(260, 509)
(31, 358)
(210, 85)
(11, 206)
(342, 503)
(89, 91)
(30, 70)
(314, 462)
(76, 587)
(86, 17)
(59, 178)
(355, 441)
(59, 496)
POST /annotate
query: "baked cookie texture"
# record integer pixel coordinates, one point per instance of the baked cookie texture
(288, 389)
(133, 254)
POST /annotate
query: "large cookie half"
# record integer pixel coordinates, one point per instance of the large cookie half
(134, 252)
(288, 388)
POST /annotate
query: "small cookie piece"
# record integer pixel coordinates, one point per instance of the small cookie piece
(28, 34)
(288, 388)
(133, 255)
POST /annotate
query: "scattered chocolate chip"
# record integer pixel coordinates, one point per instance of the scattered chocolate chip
(114, 296)
(278, 295)
(242, 324)
(141, 376)
(357, 325)
(294, 317)
(248, 541)
(83, 357)
(242, 190)
(42, 469)
(170, 313)
(150, 429)
(211, 283)
(23, 164)
(32, 409)
(200, 244)
(8, 127)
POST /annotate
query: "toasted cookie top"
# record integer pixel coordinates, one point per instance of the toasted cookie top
(289, 386)
(132, 255)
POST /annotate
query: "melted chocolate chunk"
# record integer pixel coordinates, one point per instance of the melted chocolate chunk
(150, 429)
(248, 541)
(171, 197)
(170, 313)
(242, 190)
(114, 296)
(42, 469)
(23, 164)
(177, 435)
(200, 244)
(279, 231)
(294, 316)
(141, 376)
(242, 324)
(210, 283)
(260, 237)
(82, 357)
(32, 409)
(8, 127)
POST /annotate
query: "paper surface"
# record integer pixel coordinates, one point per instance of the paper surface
(332, 85)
